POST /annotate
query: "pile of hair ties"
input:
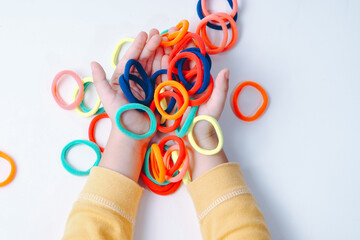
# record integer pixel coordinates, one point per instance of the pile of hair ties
(166, 166)
(11, 176)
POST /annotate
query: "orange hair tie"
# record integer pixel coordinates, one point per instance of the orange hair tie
(12, 171)
(235, 106)
(159, 167)
(220, 18)
(175, 37)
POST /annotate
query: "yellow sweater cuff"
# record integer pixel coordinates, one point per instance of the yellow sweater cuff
(114, 191)
(218, 184)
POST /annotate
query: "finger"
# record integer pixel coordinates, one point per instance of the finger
(149, 63)
(215, 105)
(164, 65)
(156, 65)
(132, 53)
(102, 86)
(153, 32)
(149, 49)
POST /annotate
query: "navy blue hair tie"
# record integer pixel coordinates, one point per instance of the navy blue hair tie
(153, 78)
(144, 82)
(209, 24)
(206, 62)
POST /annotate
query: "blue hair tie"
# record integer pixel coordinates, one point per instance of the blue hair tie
(209, 24)
(144, 82)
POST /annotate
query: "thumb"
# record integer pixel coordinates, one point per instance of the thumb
(102, 86)
(215, 105)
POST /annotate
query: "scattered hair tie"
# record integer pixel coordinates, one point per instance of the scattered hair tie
(94, 110)
(56, 95)
(217, 128)
(72, 144)
(201, 15)
(92, 126)
(183, 25)
(116, 52)
(130, 106)
(235, 106)
(11, 176)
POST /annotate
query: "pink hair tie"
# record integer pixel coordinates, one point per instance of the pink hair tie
(57, 96)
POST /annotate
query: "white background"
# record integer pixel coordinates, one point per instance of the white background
(301, 159)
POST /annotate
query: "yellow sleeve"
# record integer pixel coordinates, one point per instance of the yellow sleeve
(225, 206)
(106, 208)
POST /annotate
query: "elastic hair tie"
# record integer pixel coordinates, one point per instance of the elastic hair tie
(184, 94)
(185, 164)
(182, 131)
(87, 80)
(177, 122)
(92, 126)
(218, 17)
(146, 169)
(169, 107)
(217, 128)
(116, 52)
(235, 97)
(72, 144)
(183, 27)
(11, 176)
(82, 105)
(199, 9)
(56, 95)
(130, 106)
(144, 82)
(182, 153)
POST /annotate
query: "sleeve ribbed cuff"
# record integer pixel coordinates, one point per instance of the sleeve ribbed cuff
(215, 186)
(114, 191)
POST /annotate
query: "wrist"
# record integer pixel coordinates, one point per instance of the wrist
(124, 154)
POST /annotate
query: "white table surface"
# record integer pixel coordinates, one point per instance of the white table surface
(301, 159)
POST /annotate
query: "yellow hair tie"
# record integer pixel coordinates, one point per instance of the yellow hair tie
(94, 109)
(217, 128)
(116, 52)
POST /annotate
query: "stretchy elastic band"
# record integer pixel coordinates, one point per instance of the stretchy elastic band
(116, 52)
(12, 169)
(82, 105)
(213, 49)
(155, 152)
(185, 165)
(181, 132)
(209, 24)
(130, 106)
(146, 169)
(163, 103)
(92, 126)
(182, 153)
(72, 144)
(184, 94)
(183, 27)
(144, 83)
(217, 128)
(57, 96)
(235, 106)
(179, 100)
(201, 30)
(97, 104)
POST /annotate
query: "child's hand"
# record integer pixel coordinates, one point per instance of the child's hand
(122, 153)
(111, 94)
